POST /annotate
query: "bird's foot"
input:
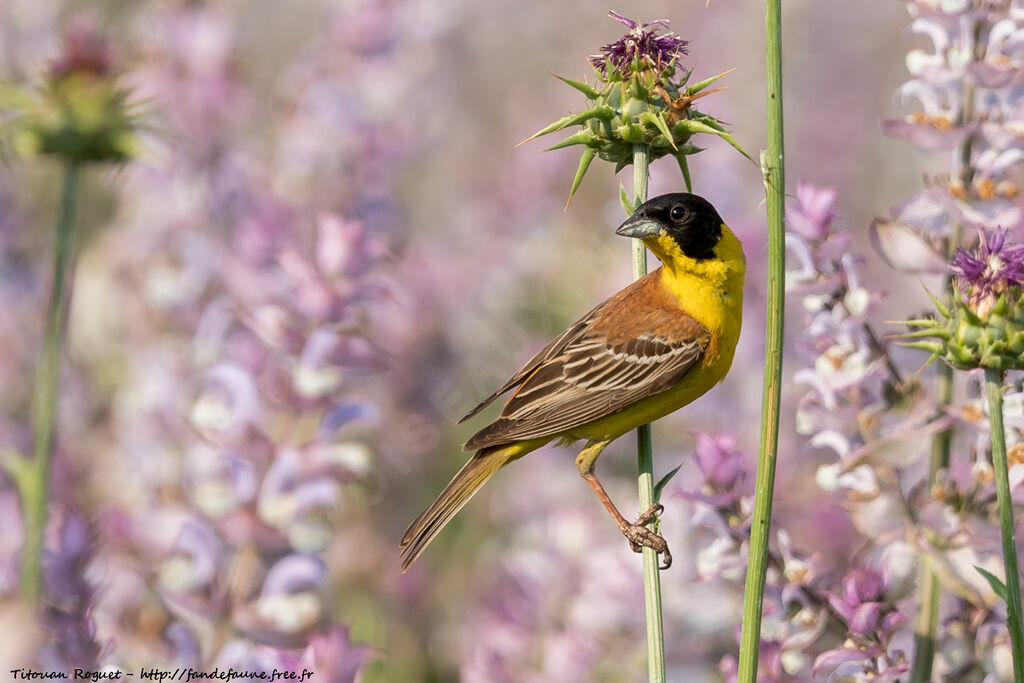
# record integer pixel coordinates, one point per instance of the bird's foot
(640, 537)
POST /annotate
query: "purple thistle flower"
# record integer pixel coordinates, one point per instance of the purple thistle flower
(84, 51)
(992, 270)
(642, 45)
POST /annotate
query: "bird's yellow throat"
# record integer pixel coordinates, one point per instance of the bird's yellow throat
(709, 290)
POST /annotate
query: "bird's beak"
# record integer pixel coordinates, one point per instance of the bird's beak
(639, 226)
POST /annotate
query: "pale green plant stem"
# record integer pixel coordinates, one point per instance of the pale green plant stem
(645, 460)
(34, 484)
(994, 392)
(926, 624)
(773, 169)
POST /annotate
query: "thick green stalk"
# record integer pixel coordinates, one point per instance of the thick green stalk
(773, 169)
(645, 460)
(994, 390)
(34, 486)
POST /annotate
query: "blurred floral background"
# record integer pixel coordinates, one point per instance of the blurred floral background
(328, 247)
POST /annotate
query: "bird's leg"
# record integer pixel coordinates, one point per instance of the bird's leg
(636, 533)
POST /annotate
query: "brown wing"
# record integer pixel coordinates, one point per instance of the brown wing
(636, 344)
(548, 352)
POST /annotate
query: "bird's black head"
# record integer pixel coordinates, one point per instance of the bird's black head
(688, 219)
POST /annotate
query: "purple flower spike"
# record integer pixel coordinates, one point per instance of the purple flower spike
(992, 270)
(642, 45)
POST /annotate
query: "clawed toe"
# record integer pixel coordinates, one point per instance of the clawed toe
(652, 514)
(639, 536)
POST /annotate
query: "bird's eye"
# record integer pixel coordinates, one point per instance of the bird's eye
(678, 213)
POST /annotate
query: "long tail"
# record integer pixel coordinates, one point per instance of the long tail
(457, 493)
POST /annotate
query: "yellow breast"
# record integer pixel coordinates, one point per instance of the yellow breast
(710, 291)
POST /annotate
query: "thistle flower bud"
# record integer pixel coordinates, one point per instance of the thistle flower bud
(641, 97)
(984, 328)
(79, 112)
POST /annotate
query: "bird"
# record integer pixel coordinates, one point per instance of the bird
(657, 345)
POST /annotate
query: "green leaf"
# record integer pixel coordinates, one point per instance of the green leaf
(997, 586)
(684, 166)
(700, 85)
(627, 205)
(933, 347)
(692, 126)
(18, 468)
(1001, 305)
(658, 122)
(587, 90)
(937, 333)
(579, 138)
(708, 120)
(581, 170)
(973, 318)
(938, 304)
(686, 78)
(663, 482)
(602, 112)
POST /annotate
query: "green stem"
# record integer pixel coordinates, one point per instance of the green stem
(645, 460)
(926, 625)
(35, 485)
(773, 169)
(927, 622)
(994, 390)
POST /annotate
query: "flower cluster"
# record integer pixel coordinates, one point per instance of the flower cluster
(259, 404)
(810, 626)
(971, 106)
(236, 323)
(856, 405)
(967, 103)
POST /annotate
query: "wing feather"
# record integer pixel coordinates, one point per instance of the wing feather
(549, 351)
(591, 378)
